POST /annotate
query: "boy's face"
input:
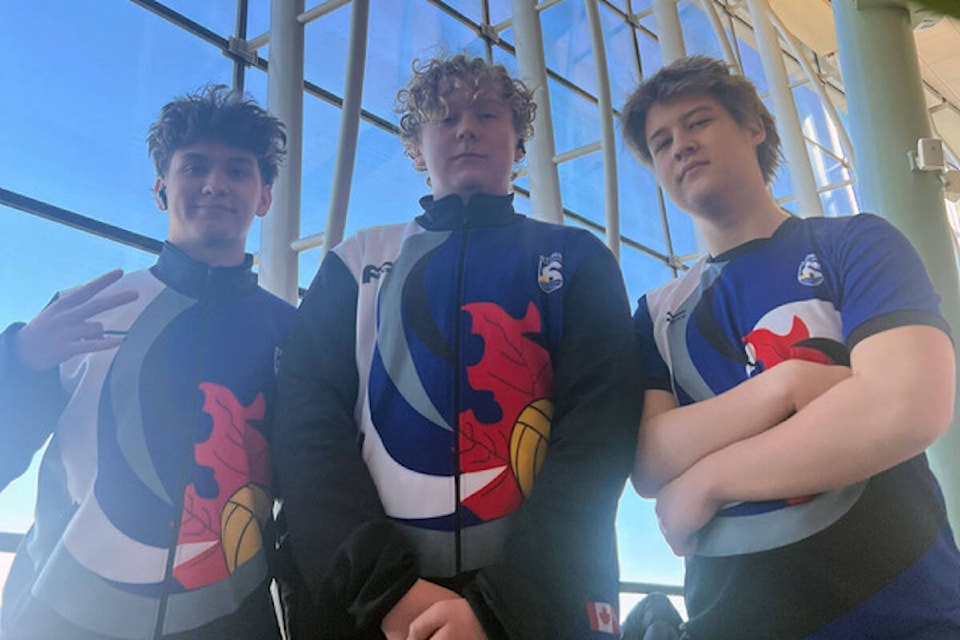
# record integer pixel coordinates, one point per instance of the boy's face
(471, 150)
(212, 192)
(700, 153)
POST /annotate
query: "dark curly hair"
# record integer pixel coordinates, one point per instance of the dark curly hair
(700, 76)
(214, 113)
(424, 98)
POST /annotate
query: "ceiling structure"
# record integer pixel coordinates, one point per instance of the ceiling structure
(938, 48)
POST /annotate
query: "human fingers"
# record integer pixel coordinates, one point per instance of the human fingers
(427, 623)
(80, 347)
(99, 305)
(84, 292)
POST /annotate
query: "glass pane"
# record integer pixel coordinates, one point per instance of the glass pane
(641, 273)
(640, 217)
(500, 10)
(581, 187)
(622, 67)
(576, 120)
(567, 46)
(469, 9)
(650, 57)
(400, 32)
(258, 20)
(325, 50)
(644, 555)
(698, 35)
(220, 16)
(683, 232)
(82, 104)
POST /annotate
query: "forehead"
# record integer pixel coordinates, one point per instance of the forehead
(664, 114)
(214, 151)
(457, 93)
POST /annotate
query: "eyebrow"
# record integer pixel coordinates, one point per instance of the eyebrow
(684, 117)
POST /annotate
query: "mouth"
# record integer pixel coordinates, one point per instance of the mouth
(690, 167)
(212, 208)
(468, 156)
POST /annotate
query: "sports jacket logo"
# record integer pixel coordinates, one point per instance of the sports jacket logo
(679, 315)
(372, 271)
(550, 276)
(809, 273)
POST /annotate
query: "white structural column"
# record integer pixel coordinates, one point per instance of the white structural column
(278, 261)
(608, 143)
(785, 110)
(349, 124)
(669, 31)
(544, 179)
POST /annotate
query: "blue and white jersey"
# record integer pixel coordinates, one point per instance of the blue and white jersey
(787, 568)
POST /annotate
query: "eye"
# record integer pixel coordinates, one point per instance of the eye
(661, 143)
(240, 173)
(194, 169)
(700, 122)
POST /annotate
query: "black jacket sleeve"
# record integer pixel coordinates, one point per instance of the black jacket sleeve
(32, 403)
(356, 564)
(561, 557)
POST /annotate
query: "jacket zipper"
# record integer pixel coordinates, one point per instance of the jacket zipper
(185, 461)
(456, 394)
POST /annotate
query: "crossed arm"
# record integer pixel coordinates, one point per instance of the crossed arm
(796, 430)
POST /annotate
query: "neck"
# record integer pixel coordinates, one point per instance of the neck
(213, 256)
(729, 222)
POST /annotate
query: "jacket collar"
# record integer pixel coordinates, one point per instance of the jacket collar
(199, 280)
(482, 210)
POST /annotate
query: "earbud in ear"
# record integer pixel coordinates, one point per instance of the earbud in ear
(162, 194)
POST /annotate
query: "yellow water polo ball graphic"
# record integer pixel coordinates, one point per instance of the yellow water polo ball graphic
(241, 520)
(528, 442)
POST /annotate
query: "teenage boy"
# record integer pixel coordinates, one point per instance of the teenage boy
(455, 400)
(795, 377)
(155, 386)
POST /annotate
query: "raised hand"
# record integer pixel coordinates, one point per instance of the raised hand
(64, 329)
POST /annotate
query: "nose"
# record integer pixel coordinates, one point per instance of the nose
(683, 145)
(467, 127)
(215, 183)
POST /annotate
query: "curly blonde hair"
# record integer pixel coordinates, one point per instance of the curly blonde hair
(424, 98)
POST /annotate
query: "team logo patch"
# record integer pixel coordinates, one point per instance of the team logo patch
(550, 276)
(603, 618)
(809, 273)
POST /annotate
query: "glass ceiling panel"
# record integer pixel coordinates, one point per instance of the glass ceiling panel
(401, 31)
(220, 16)
(79, 138)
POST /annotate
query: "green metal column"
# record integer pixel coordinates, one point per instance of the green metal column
(887, 115)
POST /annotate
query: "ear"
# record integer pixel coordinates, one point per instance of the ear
(266, 198)
(159, 186)
(758, 133)
(416, 154)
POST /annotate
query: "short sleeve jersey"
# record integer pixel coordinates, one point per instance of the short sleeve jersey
(811, 566)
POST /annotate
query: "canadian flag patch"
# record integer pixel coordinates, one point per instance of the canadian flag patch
(603, 617)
